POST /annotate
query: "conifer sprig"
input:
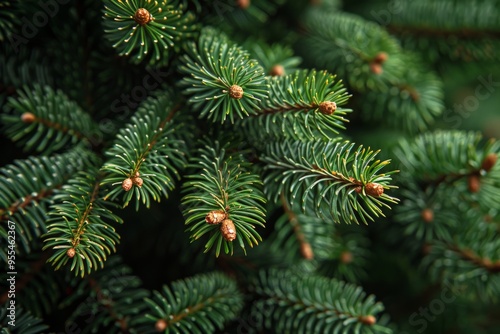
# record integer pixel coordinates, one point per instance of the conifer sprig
(197, 305)
(144, 27)
(27, 192)
(343, 184)
(220, 79)
(302, 105)
(314, 304)
(222, 182)
(45, 120)
(79, 231)
(147, 153)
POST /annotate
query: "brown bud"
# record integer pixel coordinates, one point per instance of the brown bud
(474, 183)
(369, 320)
(137, 181)
(228, 230)
(160, 325)
(380, 58)
(236, 92)
(215, 217)
(426, 248)
(142, 16)
(374, 189)
(427, 215)
(306, 251)
(127, 184)
(277, 70)
(71, 252)
(243, 4)
(376, 68)
(327, 107)
(28, 117)
(346, 257)
(489, 162)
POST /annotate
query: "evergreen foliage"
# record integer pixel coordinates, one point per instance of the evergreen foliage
(224, 149)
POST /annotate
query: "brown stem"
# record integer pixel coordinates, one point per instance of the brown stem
(305, 246)
(27, 200)
(155, 138)
(288, 107)
(80, 230)
(469, 255)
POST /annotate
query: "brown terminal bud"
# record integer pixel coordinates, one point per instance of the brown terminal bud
(228, 230)
(474, 183)
(369, 320)
(380, 58)
(374, 189)
(327, 107)
(160, 325)
(376, 68)
(346, 257)
(142, 16)
(137, 181)
(215, 217)
(28, 117)
(71, 252)
(489, 162)
(243, 4)
(306, 251)
(277, 70)
(427, 215)
(236, 92)
(127, 184)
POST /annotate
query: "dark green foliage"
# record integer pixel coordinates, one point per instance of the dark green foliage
(222, 181)
(212, 67)
(292, 303)
(115, 303)
(346, 45)
(26, 200)
(332, 176)
(294, 108)
(449, 29)
(24, 322)
(270, 57)
(200, 304)
(57, 121)
(151, 147)
(79, 231)
(168, 24)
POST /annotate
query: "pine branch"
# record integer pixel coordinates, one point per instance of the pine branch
(147, 153)
(200, 304)
(276, 59)
(77, 232)
(28, 187)
(360, 51)
(25, 322)
(314, 304)
(147, 28)
(221, 79)
(221, 197)
(46, 121)
(302, 105)
(342, 186)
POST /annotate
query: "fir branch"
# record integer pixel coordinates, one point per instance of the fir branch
(147, 153)
(302, 105)
(142, 27)
(342, 185)
(305, 247)
(45, 120)
(77, 231)
(314, 304)
(200, 304)
(224, 185)
(221, 79)
(28, 187)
